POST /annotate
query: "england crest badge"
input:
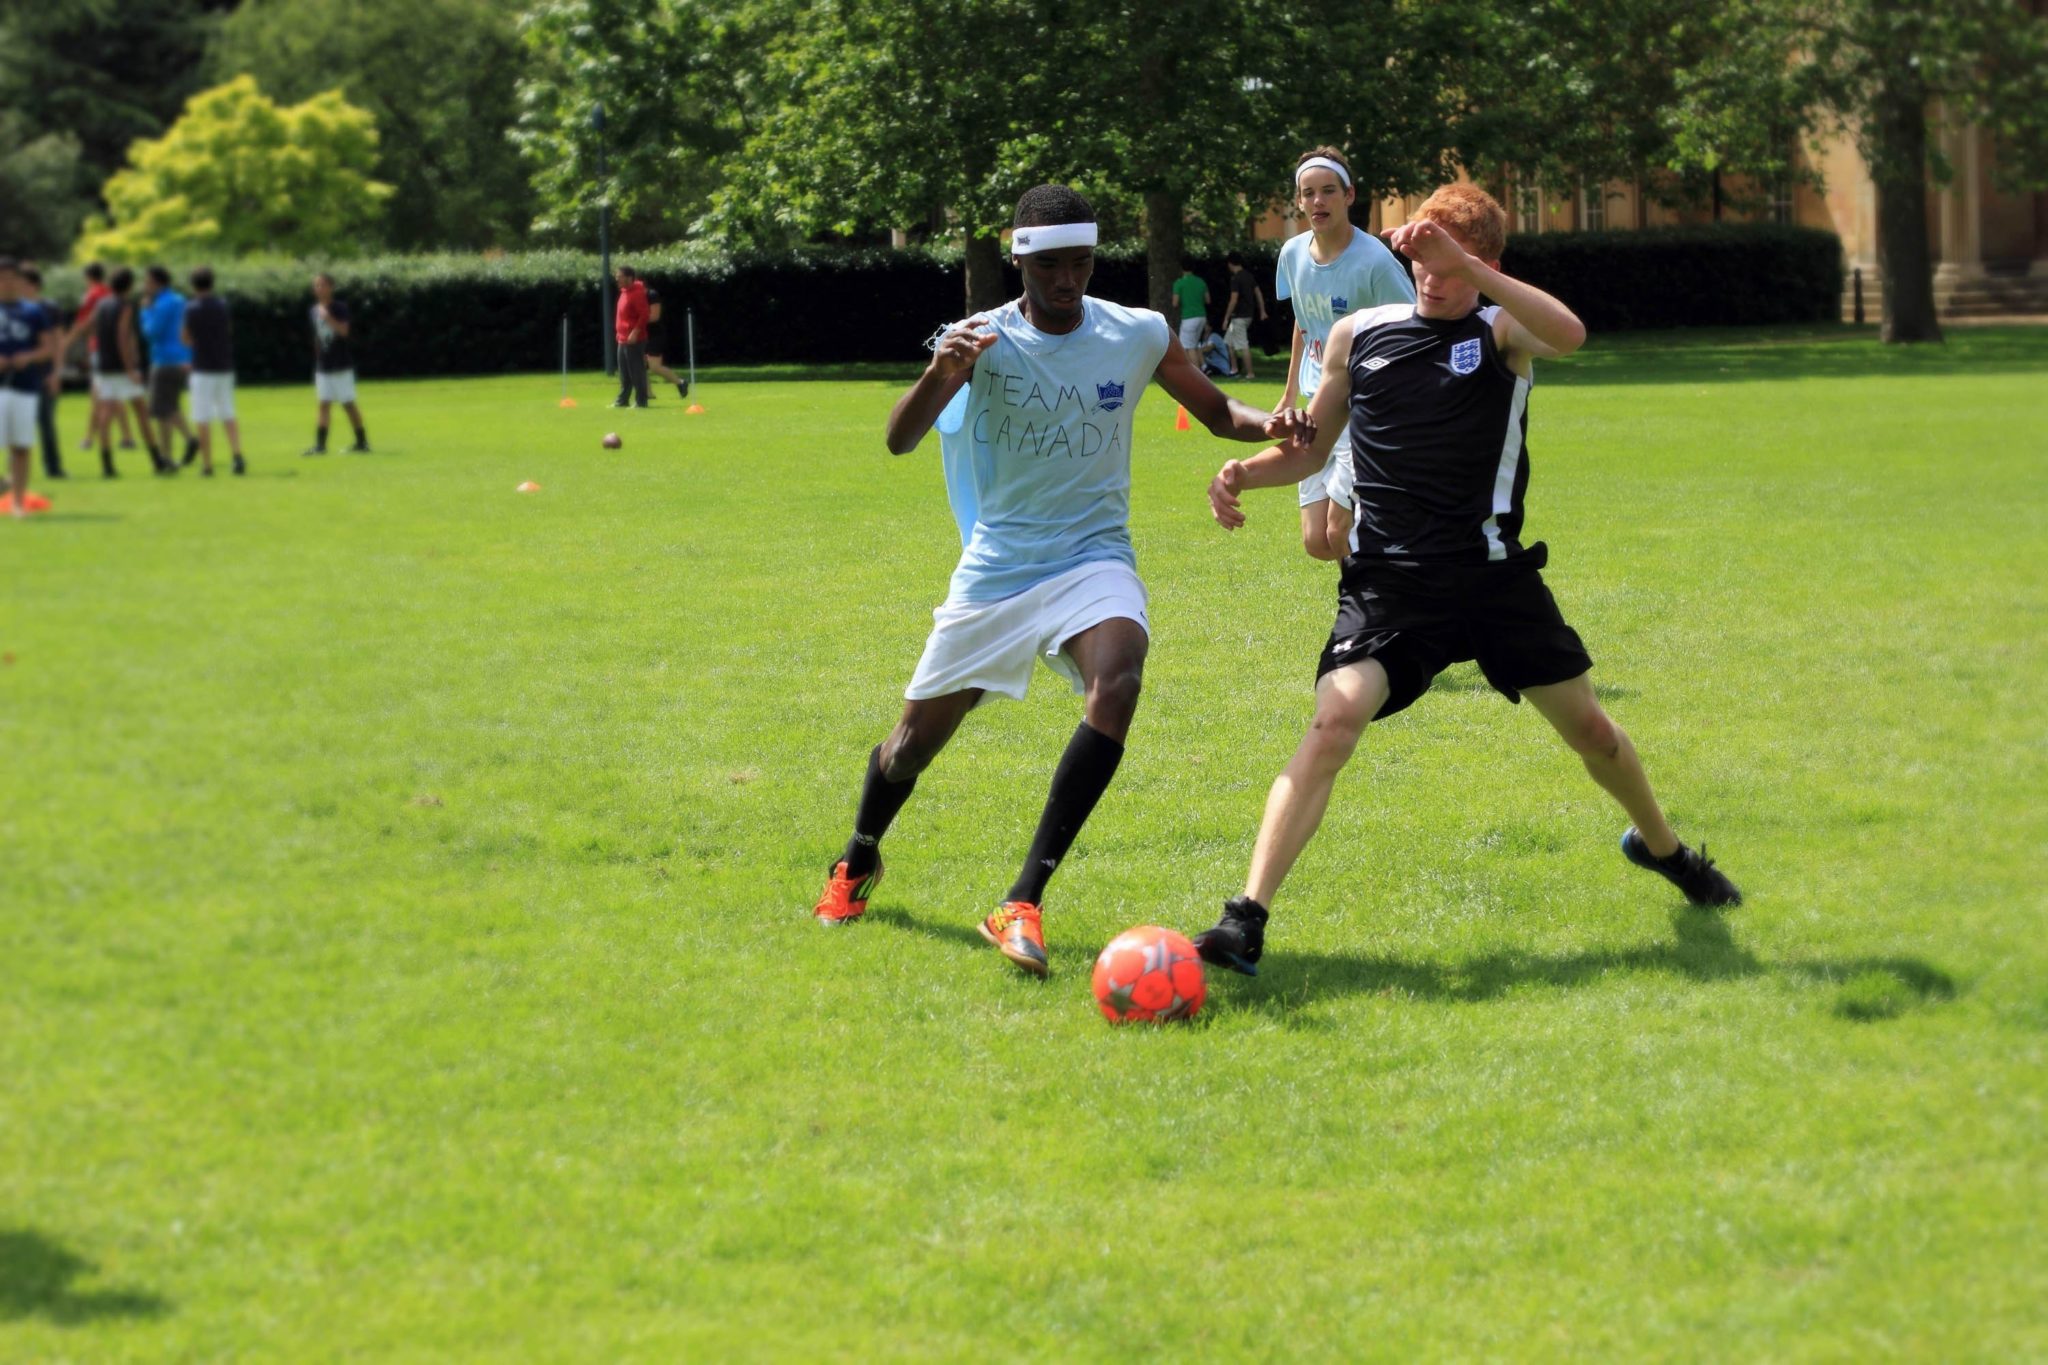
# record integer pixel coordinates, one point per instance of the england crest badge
(1465, 356)
(1109, 397)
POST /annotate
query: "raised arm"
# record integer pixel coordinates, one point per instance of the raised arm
(1284, 464)
(1531, 322)
(952, 365)
(1223, 415)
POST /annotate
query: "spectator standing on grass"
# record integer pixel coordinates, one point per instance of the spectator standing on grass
(1193, 297)
(170, 365)
(658, 338)
(28, 339)
(50, 374)
(1246, 301)
(334, 366)
(630, 329)
(211, 336)
(117, 369)
(96, 291)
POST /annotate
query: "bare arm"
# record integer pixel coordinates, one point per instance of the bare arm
(131, 354)
(1531, 322)
(951, 367)
(1293, 389)
(1223, 415)
(1281, 464)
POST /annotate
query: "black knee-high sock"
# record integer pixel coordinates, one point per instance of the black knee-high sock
(880, 799)
(1077, 784)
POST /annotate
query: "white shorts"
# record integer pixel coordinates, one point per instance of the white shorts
(1333, 480)
(339, 386)
(1238, 335)
(17, 419)
(213, 397)
(992, 645)
(1191, 331)
(115, 388)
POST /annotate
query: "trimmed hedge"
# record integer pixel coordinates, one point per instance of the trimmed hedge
(440, 315)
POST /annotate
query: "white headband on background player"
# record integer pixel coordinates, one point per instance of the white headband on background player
(1322, 163)
(1026, 240)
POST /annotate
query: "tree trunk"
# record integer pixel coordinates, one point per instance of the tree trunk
(985, 288)
(1162, 252)
(1898, 132)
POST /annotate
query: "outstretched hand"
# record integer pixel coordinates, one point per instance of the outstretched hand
(961, 347)
(1427, 242)
(1223, 491)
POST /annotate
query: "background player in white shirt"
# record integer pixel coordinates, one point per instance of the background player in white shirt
(1037, 458)
(1333, 269)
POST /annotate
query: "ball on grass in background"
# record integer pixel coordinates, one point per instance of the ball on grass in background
(612, 441)
(1149, 975)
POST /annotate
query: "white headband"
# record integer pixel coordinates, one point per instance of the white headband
(1322, 163)
(1026, 240)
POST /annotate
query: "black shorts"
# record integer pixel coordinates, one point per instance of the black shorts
(1418, 619)
(657, 341)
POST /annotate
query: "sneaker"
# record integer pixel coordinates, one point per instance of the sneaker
(682, 390)
(1239, 938)
(619, 403)
(1017, 934)
(191, 455)
(845, 898)
(359, 448)
(240, 466)
(1690, 870)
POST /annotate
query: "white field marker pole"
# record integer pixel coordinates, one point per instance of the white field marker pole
(690, 328)
(565, 355)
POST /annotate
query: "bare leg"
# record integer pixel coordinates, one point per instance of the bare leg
(17, 474)
(206, 446)
(1337, 529)
(1111, 657)
(1346, 701)
(925, 728)
(120, 414)
(1315, 531)
(234, 431)
(1609, 756)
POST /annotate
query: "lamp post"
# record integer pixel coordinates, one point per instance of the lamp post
(604, 247)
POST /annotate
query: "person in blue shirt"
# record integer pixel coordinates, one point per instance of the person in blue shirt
(1034, 402)
(28, 343)
(170, 364)
(52, 381)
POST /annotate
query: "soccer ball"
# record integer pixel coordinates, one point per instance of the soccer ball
(1149, 975)
(612, 441)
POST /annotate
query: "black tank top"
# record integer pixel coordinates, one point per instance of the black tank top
(106, 333)
(1438, 422)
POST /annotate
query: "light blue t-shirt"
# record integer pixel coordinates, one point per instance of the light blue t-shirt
(162, 321)
(1364, 275)
(1039, 469)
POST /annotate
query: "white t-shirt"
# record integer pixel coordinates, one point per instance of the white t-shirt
(1364, 275)
(1039, 469)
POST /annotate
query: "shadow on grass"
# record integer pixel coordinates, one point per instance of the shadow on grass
(1701, 949)
(945, 932)
(37, 1277)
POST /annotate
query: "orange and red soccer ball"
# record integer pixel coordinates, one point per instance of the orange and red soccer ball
(1149, 975)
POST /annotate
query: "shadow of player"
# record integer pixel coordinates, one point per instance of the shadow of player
(37, 1277)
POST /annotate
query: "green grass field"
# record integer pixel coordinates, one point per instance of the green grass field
(404, 949)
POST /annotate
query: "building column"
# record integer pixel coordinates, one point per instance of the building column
(1962, 206)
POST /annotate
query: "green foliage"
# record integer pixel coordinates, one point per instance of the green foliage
(238, 174)
(39, 184)
(438, 76)
(105, 72)
(406, 957)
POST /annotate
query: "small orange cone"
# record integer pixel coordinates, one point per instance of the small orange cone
(528, 487)
(1180, 417)
(694, 410)
(32, 502)
(568, 403)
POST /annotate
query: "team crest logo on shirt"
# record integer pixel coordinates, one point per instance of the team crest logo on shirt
(1340, 304)
(1109, 397)
(1465, 356)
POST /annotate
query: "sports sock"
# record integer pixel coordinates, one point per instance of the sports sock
(319, 438)
(1077, 784)
(880, 799)
(362, 436)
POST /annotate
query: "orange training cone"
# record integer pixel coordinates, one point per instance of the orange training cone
(528, 487)
(695, 409)
(568, 402)
(1180, 417)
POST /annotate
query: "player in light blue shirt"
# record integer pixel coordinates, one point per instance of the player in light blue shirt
(1332, 269)
(1034, 402)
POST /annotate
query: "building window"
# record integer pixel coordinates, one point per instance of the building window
(1781, 199)
(1528, 208)
(1593, 208)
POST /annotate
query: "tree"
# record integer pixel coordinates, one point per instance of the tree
(676, 80)
(1872, 70)
(439, 77)
(39, 184)
(104, 72)
(238, 174)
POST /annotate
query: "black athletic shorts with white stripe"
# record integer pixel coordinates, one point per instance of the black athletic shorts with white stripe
(1418, 619)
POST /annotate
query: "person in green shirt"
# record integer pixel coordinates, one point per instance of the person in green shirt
(1193, 297)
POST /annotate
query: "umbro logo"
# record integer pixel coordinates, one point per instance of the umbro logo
(1378, 362)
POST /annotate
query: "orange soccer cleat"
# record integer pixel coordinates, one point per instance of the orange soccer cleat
(1017, 935)
(845, 898)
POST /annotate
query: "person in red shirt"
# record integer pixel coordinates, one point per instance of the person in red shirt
(631, 329)
(81, 326)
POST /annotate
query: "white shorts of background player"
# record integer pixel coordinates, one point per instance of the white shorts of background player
(213, 397)
(335, 386)
(1333, 480)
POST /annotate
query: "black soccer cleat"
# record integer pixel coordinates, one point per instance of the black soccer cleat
(241, 466)
(1239, 938)
(1689, 869)
(359, 448)
(683, 389)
